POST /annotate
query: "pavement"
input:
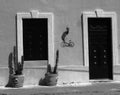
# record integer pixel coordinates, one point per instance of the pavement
(91, 88)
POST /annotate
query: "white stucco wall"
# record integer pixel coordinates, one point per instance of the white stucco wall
(66, 12)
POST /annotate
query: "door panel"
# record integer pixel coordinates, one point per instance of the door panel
(35, 39)
(100, 48)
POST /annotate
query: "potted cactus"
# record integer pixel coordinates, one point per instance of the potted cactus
(16, 77)
(51, 76)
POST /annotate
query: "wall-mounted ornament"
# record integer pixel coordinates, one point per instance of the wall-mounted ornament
(64, 42)
(34, 13)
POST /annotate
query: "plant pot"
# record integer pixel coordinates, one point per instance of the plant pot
(49, 80)
(15, 81)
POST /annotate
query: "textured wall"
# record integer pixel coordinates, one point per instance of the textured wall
(67, 13)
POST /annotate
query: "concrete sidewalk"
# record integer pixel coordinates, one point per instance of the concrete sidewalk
(100, 88)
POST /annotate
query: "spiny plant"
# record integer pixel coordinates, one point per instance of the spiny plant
(15, 67)
(49, 68)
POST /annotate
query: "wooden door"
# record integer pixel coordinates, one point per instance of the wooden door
(35, 39)
(100, 48)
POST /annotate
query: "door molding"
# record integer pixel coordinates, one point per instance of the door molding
(100, 13)
(36, 14)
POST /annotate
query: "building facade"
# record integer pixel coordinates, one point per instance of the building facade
(61, 14)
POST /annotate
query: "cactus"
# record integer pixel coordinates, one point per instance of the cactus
(15, 68)
(16, 78)
(10, 64)
(57, 59)
(49, 68)
(19, 69)
(51, 76)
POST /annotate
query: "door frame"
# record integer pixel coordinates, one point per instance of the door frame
(99, 13)
(35, 14)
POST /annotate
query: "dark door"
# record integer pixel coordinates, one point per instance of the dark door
(100, 48)
(35, 39)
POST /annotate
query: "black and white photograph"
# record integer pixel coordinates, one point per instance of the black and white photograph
(59, 47)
